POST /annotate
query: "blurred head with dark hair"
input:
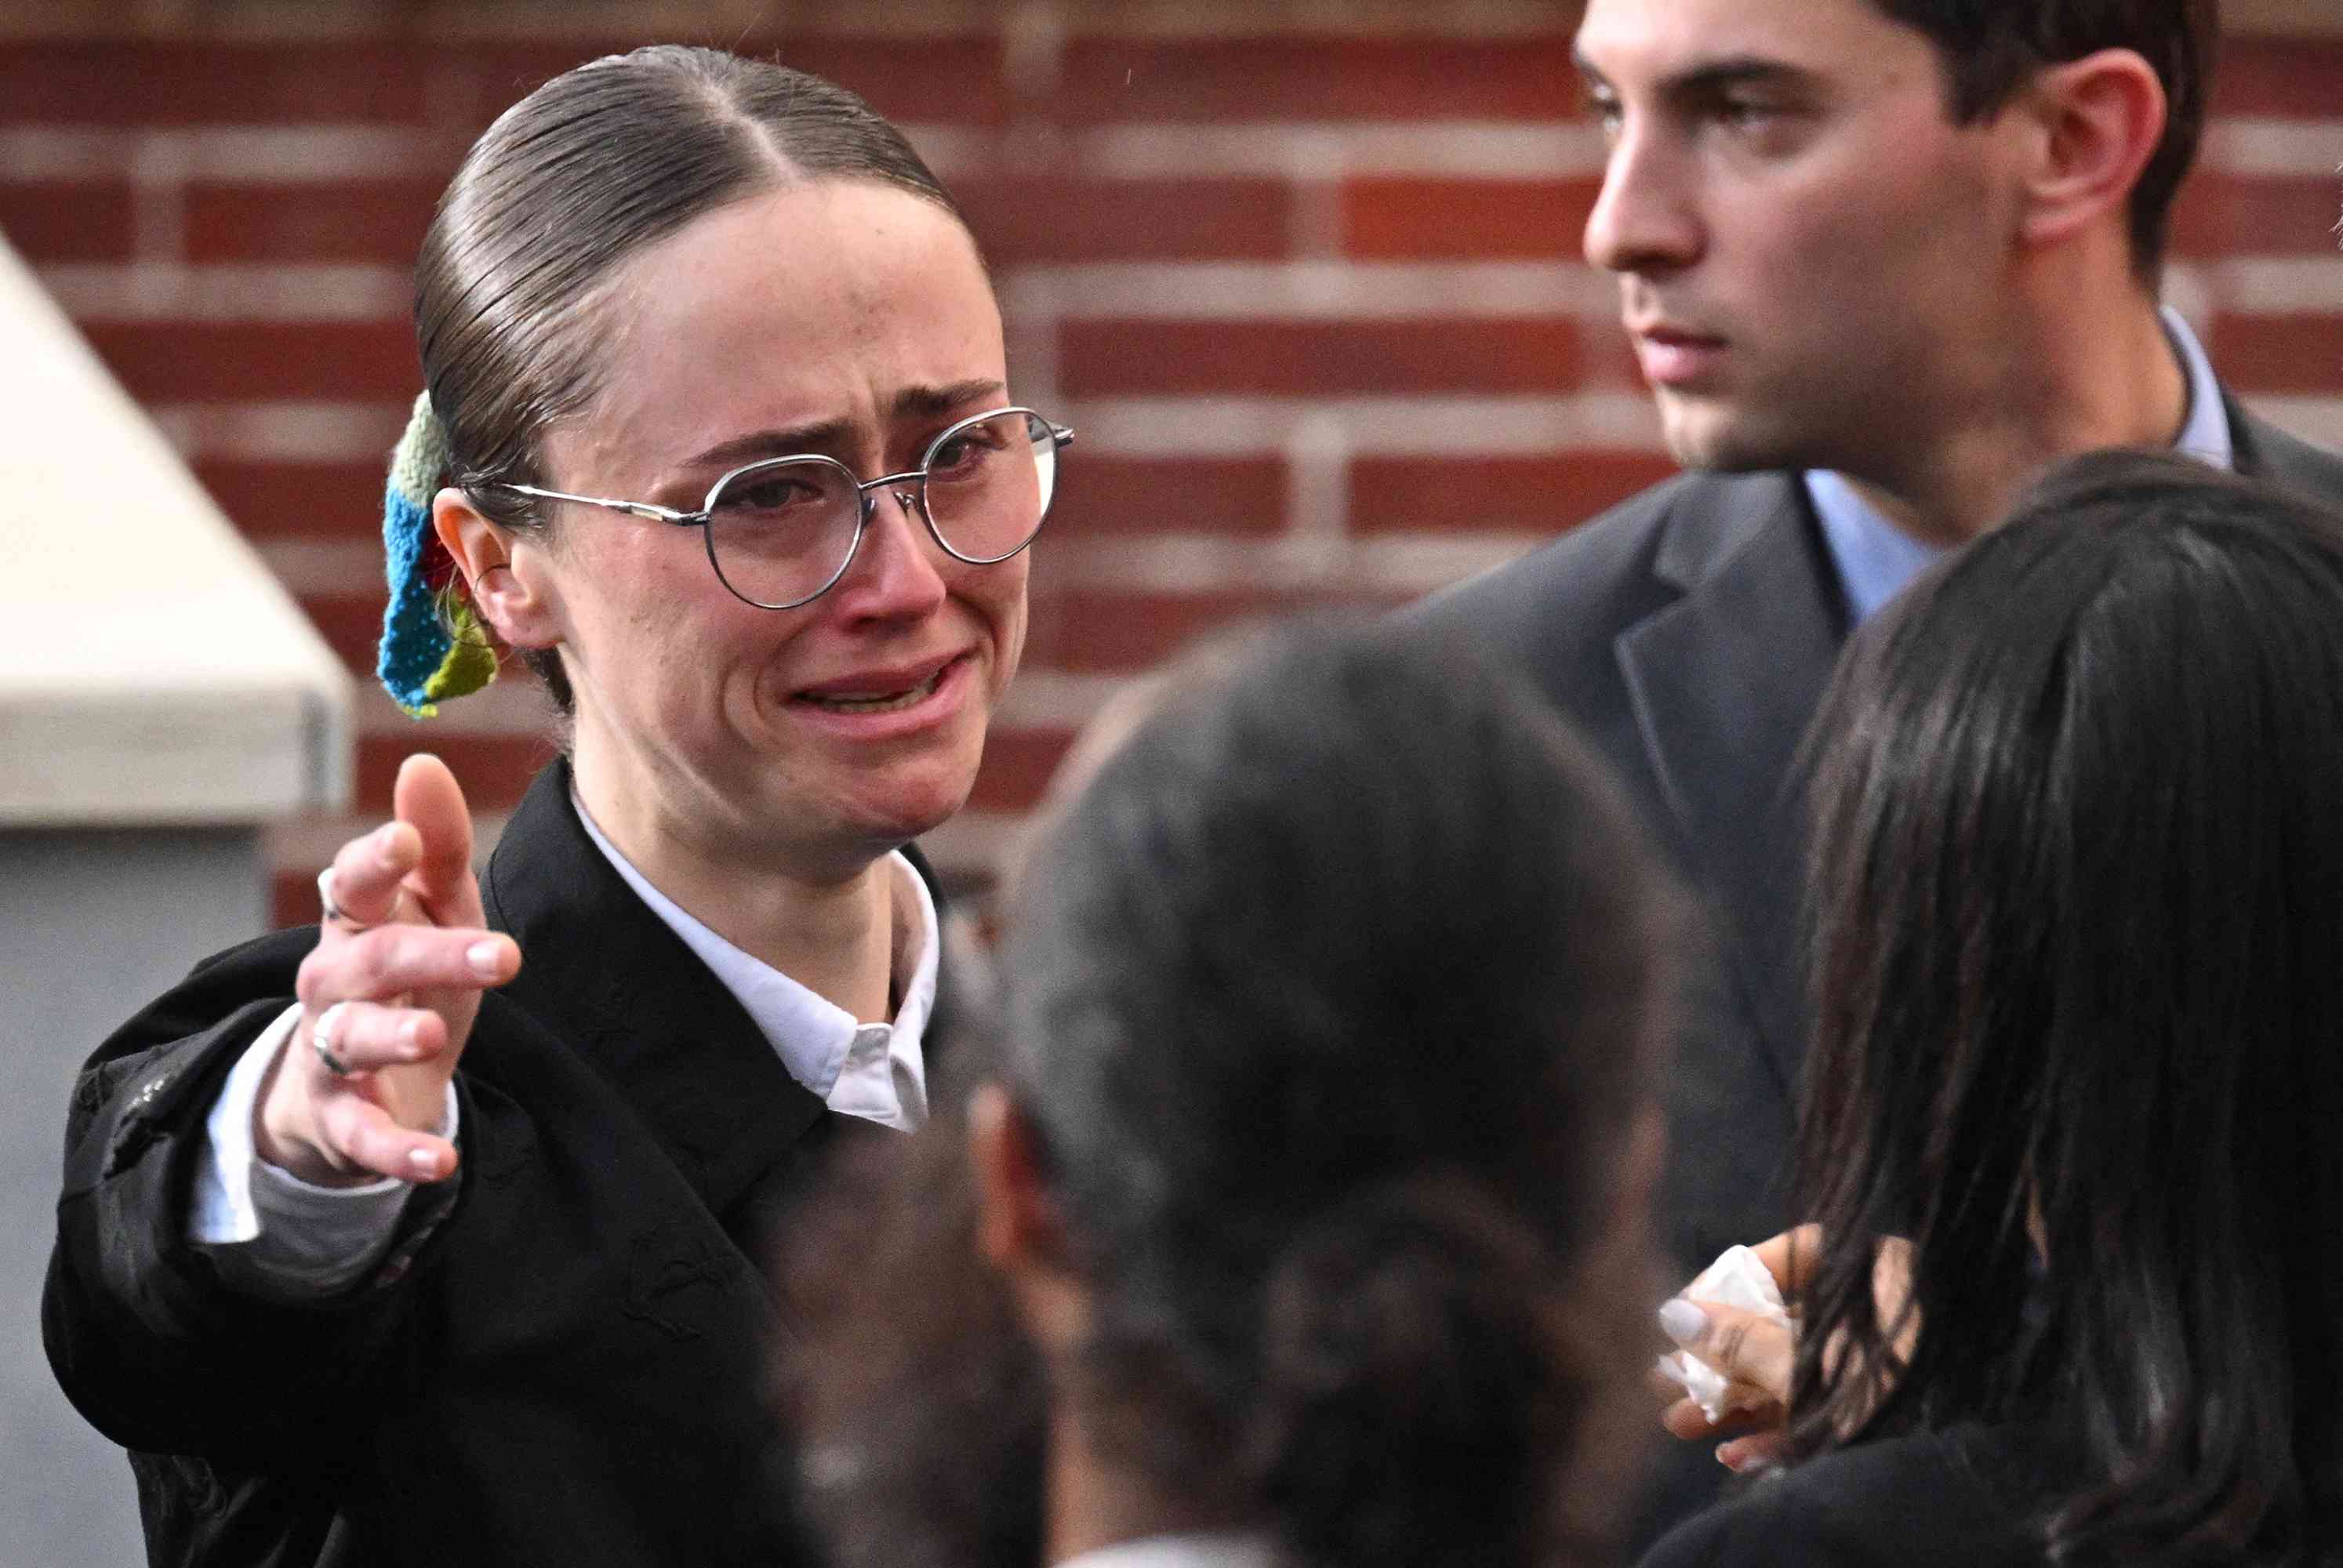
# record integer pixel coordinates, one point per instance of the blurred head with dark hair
(1314, 1162)
(2078, 889)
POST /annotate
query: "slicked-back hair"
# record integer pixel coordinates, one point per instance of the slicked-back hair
(2077, 902)
(593, 166)
(1989, 48)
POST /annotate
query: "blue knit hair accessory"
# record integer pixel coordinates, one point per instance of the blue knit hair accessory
(434, 646)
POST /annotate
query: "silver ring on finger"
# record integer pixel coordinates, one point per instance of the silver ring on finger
(321, 1040)
(331, 910)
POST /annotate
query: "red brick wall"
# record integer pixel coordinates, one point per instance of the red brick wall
(1312, 296)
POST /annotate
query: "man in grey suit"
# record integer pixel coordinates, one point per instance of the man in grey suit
(1884, 262)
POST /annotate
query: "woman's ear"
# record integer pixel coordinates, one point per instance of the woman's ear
(2095, 123)
(1017, 1226)
(503, 571)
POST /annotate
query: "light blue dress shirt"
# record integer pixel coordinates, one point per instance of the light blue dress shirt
(1875, 558)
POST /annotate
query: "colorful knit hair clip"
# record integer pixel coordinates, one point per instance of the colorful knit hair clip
(434, 646)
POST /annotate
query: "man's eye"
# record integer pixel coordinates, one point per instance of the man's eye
(1603, 110)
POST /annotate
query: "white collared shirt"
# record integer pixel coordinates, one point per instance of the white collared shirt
(874, 1071)
(278, 1236)
(1198, 1549)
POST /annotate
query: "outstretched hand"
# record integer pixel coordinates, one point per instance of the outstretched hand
(396, 985)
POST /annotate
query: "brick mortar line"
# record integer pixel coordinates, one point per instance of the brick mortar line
(972, 842)
(334, 151)
(1176, 19)
(1167, 19)
(1208, 295)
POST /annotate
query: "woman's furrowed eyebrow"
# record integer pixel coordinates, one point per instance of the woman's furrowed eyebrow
(785, 442)
(918, 402)
(827, 435)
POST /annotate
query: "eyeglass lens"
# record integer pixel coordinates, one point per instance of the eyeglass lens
(782, 532)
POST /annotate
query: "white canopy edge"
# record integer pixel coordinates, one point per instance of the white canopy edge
(152, 671)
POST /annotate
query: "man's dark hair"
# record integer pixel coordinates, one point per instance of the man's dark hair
(1990, 48)
(2078, 899)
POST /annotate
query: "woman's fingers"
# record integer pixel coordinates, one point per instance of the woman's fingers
(392, 961)
(424, 850)
(428, 799)
(366, 1037)
(1685, 1419)
(1790, 1256)
(388, 995)
(1749, 1347)
(359, 1136)
(1756, 1450)
(363, 883)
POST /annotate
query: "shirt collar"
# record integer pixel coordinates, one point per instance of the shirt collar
(1196, 1550)
(810, 1033)
(2205, 433)
(1876, 558)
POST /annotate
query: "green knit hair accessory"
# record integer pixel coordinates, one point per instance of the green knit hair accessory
(434, 645)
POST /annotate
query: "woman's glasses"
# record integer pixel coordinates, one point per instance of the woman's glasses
(780, 531)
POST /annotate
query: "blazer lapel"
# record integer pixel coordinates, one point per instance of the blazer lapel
(2267, 452)
(630, 999)
(1724, 681)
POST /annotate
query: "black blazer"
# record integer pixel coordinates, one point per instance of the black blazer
(1688, 633)
(567, 1349)
(1959, 1499)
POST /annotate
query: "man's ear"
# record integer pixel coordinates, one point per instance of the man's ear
(2095, 122)
(503, 573)
(1017, 1226)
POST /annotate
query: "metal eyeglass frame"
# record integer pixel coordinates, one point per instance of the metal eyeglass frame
(915, 498)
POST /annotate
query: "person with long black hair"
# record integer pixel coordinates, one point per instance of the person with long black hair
(2078, 890)
(1311, 1174)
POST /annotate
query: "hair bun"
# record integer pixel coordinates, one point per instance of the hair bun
(1416, 1374)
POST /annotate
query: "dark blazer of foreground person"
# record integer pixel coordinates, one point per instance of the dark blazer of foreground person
(1930, 1500)
(2078, 887)
(629, 1137)
(1688, 634)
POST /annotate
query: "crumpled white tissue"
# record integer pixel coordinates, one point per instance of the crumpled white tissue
(1737, 1279)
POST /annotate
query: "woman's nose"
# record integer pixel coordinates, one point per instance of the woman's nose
(897, 573)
